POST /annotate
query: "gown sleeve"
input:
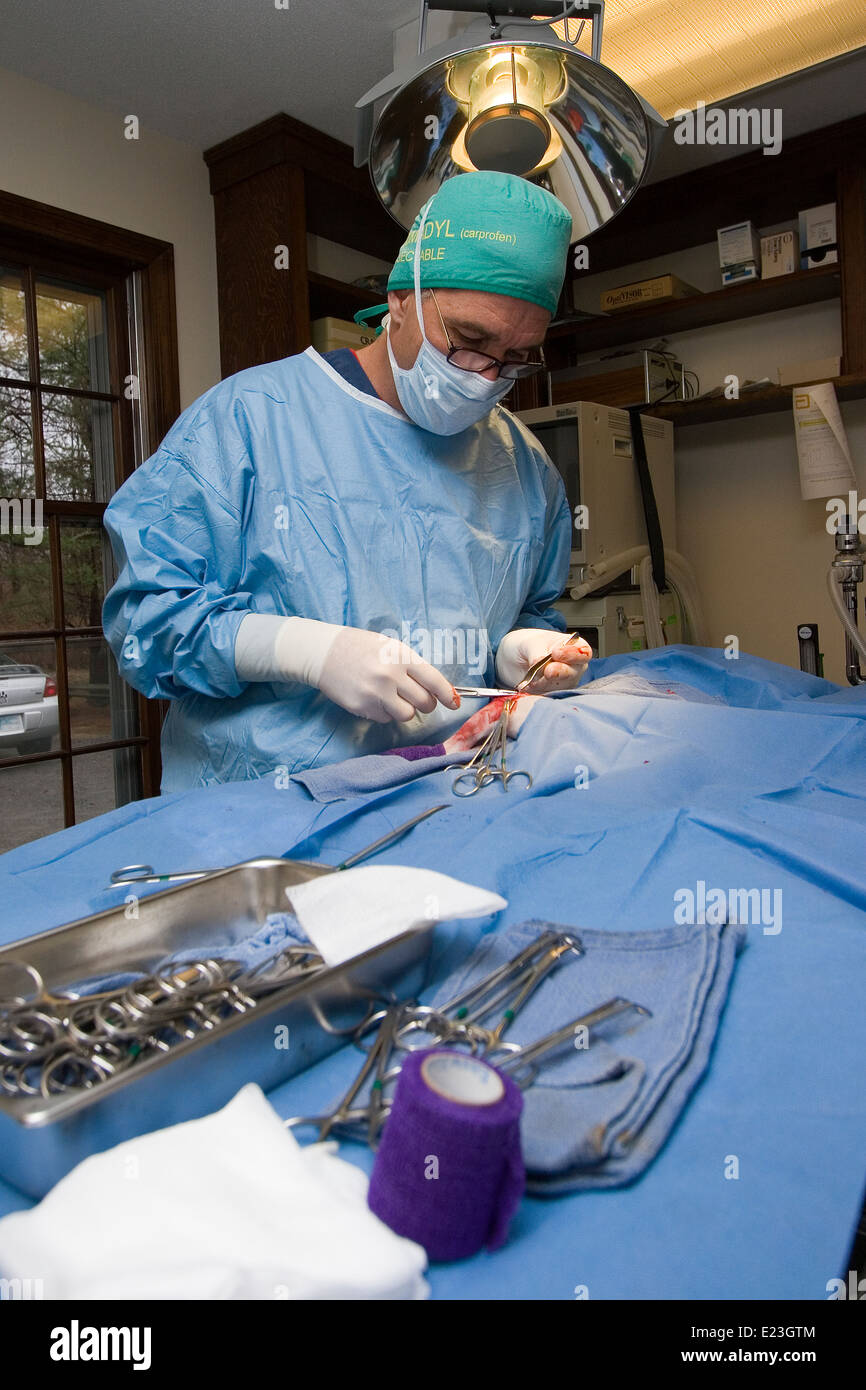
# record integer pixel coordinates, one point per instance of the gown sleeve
(176, 530)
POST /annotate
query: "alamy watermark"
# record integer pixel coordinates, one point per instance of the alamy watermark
(22, 516)
(466, 648)
(854, 510)
(15, 1290)
(713, 125)
(77, 1343)
(753, 907)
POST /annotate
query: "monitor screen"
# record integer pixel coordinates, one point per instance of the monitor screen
(559, 438)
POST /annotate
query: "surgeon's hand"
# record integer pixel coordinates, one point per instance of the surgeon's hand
(521, 648)
(379, 678)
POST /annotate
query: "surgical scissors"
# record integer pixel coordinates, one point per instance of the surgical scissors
(479, 691)
(480, 771)
(144, 873)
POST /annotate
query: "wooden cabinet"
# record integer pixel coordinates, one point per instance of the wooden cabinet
(272, 185)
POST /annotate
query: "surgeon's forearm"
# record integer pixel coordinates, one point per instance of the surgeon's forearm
(272, 648)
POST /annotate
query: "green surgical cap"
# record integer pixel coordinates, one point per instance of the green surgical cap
(491, 232)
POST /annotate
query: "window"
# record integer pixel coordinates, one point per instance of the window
(75, 740)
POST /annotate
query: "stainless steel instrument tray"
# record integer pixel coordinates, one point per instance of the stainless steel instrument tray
(42, 1138)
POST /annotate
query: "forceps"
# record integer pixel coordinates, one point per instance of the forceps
(480, 771)
(521, 1062)
(537, 667)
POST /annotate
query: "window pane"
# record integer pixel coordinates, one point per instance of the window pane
(25, 584)
(88, 570)
(28, 698)
(101, 705)
(73, 346)
(31, 802)
(13, 325)
(17, 470)
(79, 448)
(104, 781)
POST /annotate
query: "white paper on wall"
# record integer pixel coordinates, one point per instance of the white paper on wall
(826, 467)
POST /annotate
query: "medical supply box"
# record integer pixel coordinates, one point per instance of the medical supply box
(739, 245)
(330, 333)
(818, 244)
(807, 373)
(779, 255)
(654, 291)
(739, 274)
(43, 1136)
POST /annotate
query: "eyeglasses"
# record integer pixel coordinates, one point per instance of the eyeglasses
(468, 360)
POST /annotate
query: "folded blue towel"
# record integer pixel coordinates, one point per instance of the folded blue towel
(280, 929)
(375, 771)
(596, 1117)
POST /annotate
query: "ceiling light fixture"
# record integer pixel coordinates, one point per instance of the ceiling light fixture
(508, 94)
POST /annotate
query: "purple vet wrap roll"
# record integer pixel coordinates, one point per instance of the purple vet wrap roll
(449, 1172)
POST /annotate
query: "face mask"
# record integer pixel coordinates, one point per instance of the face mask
(437, 396)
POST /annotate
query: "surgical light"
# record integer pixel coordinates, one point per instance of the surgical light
(509, 95)
(505, 98)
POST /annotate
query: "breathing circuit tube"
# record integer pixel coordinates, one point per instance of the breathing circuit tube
(842, 613)
(680, 576)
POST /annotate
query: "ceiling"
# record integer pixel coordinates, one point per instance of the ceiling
(679, 52)
(202, 70)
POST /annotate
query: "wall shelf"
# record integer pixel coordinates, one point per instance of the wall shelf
(329, 297)
(764, 400)
(653, 321)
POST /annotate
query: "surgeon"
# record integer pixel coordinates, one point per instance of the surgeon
(324, 546)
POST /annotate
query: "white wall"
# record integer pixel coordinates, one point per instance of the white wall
(759, 551)
(74, 156)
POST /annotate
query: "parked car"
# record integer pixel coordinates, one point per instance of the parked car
(28, 708)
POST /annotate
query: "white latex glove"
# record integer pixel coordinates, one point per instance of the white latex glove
(370, 675)
(521, 648)
(382, 679)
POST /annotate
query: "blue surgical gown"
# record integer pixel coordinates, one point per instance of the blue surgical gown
(287, 490)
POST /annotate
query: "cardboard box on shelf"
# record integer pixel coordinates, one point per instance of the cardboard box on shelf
(331, 333)
(738, 274)
(737, 244)
(654, 291)
(779, 254)
(818, 244)
(807, 373)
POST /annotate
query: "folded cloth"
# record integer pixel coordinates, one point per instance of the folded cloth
(597, 1116)
(371, 773)
(226, 1207)
(280, 929)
